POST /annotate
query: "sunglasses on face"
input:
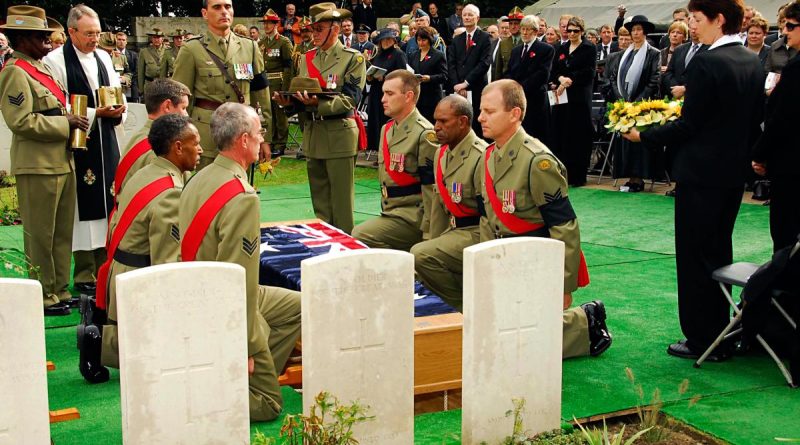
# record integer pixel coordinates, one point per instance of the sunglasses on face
(791, 26)
(573, 31)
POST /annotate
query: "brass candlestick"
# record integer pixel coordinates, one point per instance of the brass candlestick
(77, 140)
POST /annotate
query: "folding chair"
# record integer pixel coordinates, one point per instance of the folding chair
(295, 133)
(739, 274)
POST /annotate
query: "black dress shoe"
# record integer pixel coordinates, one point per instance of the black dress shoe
(57, 310)
(681, 349)
(599, 338)
(85, 288)
(670, 193)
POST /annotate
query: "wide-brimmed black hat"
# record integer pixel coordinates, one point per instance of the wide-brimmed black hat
(647, 26)
(386, 33)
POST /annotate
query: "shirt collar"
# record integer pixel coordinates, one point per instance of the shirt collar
(726, 39)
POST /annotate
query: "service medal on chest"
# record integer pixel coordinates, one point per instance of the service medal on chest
(456, 191)
(397, 162)
(332, 78)
(509, 201)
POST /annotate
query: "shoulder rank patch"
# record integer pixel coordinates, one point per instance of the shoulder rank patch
(544, 164)
(431, 137)
(554, 197)
(17, 100)
(248, 246)
(175, 233)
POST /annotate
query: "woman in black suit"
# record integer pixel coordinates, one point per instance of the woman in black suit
(776, 154)
(390, 58)
(711, 156)
(431, 68)
(574, 66)
(637, 79)
(529, 64)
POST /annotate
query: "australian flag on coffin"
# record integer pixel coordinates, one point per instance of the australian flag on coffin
(284, 247)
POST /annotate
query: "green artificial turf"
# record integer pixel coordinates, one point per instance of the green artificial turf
(629, 246)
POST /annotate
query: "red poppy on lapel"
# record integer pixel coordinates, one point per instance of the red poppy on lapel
(426, 58)
(472, 43)
(390, 56)
(531, 54)
(562, 57)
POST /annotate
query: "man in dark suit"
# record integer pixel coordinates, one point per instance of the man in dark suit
(362, 40)
(530, 65)
(132, 94)
(711, 153)
(673, 82)
(364, 13)
(440, 23)
(470, 61)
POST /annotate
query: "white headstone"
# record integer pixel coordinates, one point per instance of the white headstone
(24, 416)
(513, 301)
(358, 337)
(5, 146)
(183, 354)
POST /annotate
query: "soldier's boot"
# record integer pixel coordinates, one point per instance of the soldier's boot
(90, 366)
(278, 151)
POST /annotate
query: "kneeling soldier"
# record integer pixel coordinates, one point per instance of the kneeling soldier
(408, 146)
(219, 221)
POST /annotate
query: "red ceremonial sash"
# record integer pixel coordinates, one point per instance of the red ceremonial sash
(127, 161)
(313, 72)
(190, 242)
(519, 225)
(47, 81)
(400, 178)
(139, 202)
(457, 210)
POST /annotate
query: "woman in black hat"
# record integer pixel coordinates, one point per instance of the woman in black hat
(637, 79)
(390, 58)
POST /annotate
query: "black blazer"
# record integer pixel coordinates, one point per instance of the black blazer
(579, 66)
(611, 68)
(436, 67)
(776, 147)
(133, 61)
(676, 68)
(531, 70)
(647, 87)
(471, 65)
(723, 110)
(362, 14)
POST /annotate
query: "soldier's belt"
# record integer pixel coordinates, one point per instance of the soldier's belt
(316, 117)
(131, 259)
(466, 221)
(207, 104)
(542, 232)
(399, 192)
(149, 79)
(274, 76)
(51, 112)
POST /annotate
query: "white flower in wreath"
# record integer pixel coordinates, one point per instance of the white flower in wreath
(89, 178)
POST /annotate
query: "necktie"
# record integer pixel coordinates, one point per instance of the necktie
(223, 45)
(605, 52)
(692, 51)
(347, 42)
(469, 41)
(524, 50)
(515, 40)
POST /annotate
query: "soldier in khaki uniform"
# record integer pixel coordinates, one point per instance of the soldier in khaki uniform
(305, 45)
(330, 133)
(162, 96)
(455, 215)
(197, 68)
(108, 42)
(168, 59)
(33, 105)
(408, 144)
(503, 56)
(149, 67)
(524, 185)
(273, 314)
(153, 237)
(277, 52)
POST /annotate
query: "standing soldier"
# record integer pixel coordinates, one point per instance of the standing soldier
(108, 42)
(222, 67)
(503, 56)
(305, 45)
(168, 60)
(277, 52)
(331, 133)
(34, 105)
(149, 67)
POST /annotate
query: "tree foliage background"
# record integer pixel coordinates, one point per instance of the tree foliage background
(117, 14)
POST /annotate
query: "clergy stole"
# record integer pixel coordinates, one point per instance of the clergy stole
(94, 168)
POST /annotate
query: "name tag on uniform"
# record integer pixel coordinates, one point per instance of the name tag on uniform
(243, 71)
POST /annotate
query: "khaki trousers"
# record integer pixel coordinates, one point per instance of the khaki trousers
(332, 190)
(47, 209)
(388, 232)
(87, 263)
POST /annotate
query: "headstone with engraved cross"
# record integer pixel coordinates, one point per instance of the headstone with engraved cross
(24, 415)
(513, 300)
(183, 354)
(358, 337)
